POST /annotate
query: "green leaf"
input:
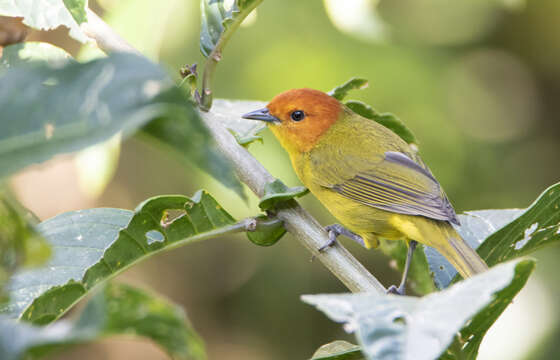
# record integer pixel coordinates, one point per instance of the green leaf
(267, 231)
(29, 52)
(77, 9)
(402, 327)
(338, 350)
(228, 113)
(20, 244)
(354, 83)
(276, 192)
(90, 246)
(190, 142)
(502, 235)
(63, 109)
(388, 120)
(49, 14)
(117, 310)
(218, 23)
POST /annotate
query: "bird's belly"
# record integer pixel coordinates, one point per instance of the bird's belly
(359, 218)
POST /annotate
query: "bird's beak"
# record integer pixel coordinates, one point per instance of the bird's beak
(261, 114)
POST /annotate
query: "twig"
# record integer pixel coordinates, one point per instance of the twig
(297, 221)
(216, 55)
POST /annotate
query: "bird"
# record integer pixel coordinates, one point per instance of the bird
(373, 182)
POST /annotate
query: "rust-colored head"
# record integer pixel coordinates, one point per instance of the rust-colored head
(299, 117)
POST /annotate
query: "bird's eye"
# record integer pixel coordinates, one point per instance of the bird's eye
(298, 115)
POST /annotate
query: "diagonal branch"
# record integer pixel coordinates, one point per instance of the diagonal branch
(297, 221)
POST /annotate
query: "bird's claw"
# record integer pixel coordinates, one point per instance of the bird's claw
(333, 234)
(396, 290)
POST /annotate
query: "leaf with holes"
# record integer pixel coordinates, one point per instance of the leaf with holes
(90, 246)
(502, 235)
(49, 14)
(341, 91)
(116, 310)
(402, 327)
(218, 23)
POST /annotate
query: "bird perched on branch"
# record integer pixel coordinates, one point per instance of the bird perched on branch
(367, 177)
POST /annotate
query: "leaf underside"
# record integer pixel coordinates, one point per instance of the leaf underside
(389, 327)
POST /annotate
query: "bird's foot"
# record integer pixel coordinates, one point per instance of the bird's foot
(333, 234)
(335, 230)
(396, 290)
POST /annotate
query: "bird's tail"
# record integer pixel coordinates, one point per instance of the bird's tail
(443, 237)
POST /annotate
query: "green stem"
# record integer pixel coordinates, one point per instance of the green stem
(216, 55)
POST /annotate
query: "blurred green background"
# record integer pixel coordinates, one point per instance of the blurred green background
(477, 81)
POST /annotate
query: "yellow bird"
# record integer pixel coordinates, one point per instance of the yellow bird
(367, 177)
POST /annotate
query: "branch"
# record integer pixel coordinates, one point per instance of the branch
(105, 37)
(297, 221)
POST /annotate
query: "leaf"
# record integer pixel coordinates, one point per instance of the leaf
(64, 109)
(502, 235)
(338, 350)
(91, 246)
(77, 9)
(402, 327)
(28, 52)
(474, 332)
(117, 310)
(354, 83)
(49, 14)
(218, 23)
(388, 120)
(20, 244)
(276, 192)
(190, 142)
(228, 113)
(267, 231)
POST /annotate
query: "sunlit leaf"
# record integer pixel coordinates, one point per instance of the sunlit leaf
(28, 52)
(90, 246)
(402, 327)
(277, 192)
(117, 310)
(502, 235)
(338, 350)
(49, 14)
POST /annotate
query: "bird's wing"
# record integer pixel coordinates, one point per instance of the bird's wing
(392, 182)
